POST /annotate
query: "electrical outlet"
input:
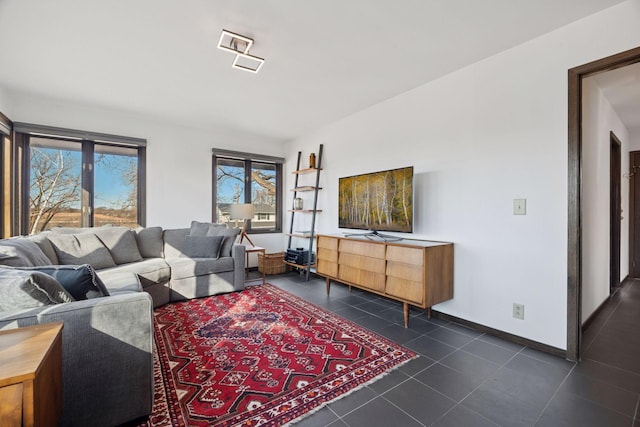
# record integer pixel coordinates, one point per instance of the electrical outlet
(518, 311)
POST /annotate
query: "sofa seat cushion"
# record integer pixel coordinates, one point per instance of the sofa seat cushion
(22, 289)
(155, 270)
(190, 267)
(122, 281)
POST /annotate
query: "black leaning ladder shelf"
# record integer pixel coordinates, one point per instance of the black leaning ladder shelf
(313, 211)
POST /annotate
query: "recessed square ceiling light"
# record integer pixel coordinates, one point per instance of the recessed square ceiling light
(234, 43)
(247, 62)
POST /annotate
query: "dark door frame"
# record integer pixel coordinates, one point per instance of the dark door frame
(615, 211)
(574, 243)
(633, 269)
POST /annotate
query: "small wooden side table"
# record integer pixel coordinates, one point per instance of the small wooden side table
(252, 249)
(31, 375)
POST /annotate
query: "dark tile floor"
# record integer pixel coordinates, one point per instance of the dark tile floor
(466, 378)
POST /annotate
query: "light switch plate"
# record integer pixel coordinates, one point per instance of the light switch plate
(519, 206)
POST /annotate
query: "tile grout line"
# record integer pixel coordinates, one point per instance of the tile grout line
(597, 333)
(405, 412)
(623, 370)
(555, 393)
(477, 414)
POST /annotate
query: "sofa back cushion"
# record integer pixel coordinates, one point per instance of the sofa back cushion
(82, 248)
(201, 228)
(21, 252)
(20, 289)
(211, 229)
(121, 243)
(150, 242)
(45, 245)
(174, 241)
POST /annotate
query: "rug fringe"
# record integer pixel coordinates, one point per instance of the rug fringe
(361, 386)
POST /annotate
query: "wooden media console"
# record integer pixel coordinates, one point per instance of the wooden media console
(414, 272)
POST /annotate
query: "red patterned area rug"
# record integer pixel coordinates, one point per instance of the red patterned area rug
(260, 357)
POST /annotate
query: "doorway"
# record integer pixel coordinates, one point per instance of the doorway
(634, 215)
(615, 212)
(574, 244)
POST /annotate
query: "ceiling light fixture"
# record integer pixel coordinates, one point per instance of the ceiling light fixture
(240, 45)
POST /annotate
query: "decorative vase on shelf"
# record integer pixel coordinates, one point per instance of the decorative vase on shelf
(297, 204)
(312, 160)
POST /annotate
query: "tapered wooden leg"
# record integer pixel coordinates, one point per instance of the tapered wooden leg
(328, 285)
(428, 312)
(406, 314)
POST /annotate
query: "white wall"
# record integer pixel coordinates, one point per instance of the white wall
(634, 141)
(179, 162)
(598, 120)
(478, 138)
(5, 102)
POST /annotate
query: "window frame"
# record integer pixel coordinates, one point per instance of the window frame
(88, 141)
(6, 177)
(249, 159)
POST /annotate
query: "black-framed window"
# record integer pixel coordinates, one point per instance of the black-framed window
(245, 178)
(80, 179)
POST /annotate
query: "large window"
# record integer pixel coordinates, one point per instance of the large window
(242, 178)
(78, 182)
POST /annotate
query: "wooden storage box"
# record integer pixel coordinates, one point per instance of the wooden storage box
(271, 263)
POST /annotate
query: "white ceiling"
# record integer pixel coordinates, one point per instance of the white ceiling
(324, 59)
(621, 87)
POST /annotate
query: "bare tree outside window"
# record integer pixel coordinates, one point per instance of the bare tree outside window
(56, 184)
(55, 188)
(230, 188)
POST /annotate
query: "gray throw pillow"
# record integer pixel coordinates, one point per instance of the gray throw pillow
(229, 234)
(83, 248)
(80, 281)
(121, 242)
(29, 289)
(202, 246)
(21, 252)
(201, 228)
(150, 242)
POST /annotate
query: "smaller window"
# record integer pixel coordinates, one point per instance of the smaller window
(240, 178)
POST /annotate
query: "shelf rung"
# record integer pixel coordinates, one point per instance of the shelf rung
(308, 170)
(292, 264)
(306, 188)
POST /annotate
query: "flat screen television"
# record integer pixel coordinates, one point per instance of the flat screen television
(377, 201)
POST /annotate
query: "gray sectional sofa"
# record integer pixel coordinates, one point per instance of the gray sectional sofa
(108, 337)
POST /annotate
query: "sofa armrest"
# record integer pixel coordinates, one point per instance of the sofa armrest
(239, 259)
(107, 356)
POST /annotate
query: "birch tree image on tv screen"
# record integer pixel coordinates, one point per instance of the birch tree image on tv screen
(377, 201)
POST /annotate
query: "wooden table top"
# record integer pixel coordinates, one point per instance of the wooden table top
(23, 349)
